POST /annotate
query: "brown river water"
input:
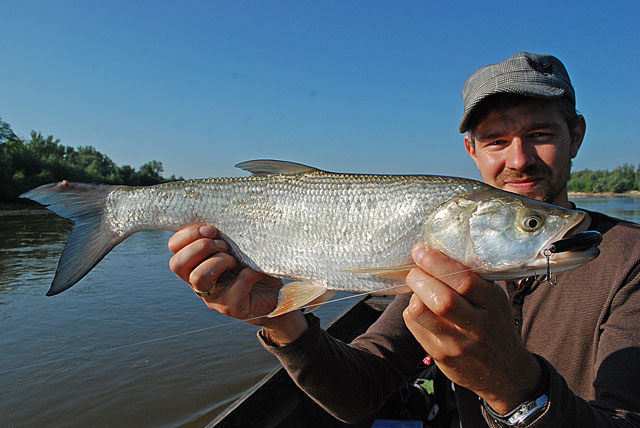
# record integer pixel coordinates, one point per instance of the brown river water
(130, 344)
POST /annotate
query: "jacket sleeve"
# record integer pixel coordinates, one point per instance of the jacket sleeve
(351, 381)
(617, 374)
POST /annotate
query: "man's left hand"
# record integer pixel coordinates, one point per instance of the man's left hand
(465, 323)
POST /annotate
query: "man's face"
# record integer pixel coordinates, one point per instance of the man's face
(527, 150)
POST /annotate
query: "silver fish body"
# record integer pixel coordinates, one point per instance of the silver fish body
(325, 231)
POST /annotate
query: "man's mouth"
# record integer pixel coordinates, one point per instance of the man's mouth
(524, 184)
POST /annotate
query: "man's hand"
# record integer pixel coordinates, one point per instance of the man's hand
(202, 262)
(465, 323)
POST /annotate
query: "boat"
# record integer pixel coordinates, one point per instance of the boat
(277, 402)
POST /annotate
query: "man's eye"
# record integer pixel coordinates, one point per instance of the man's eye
(540, 135)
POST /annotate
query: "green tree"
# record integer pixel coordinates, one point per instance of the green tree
(150, 173)
(39, 160)
(6, 134)
(622, 179)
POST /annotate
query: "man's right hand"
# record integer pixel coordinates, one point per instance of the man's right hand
(202, 262)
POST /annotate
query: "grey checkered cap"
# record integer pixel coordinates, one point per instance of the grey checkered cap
(532, 75)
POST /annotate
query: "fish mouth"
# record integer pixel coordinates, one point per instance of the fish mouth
(572, 259)
(566, 260)
(579, 225)
(559, 262)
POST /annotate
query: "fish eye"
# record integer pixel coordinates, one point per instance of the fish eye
(531, 223)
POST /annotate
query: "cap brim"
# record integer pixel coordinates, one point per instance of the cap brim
(542, 91)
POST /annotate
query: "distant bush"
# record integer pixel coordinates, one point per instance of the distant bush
(25, 164)
(622, 179)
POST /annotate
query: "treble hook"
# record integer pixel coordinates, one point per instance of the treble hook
(548, 278)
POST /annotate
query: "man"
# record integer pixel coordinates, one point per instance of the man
(520, 353)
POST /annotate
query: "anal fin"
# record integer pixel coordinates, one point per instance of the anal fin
(295, 295)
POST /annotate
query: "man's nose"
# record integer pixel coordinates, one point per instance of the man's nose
(520, 155)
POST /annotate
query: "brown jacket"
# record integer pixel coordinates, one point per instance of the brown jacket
(586, 328)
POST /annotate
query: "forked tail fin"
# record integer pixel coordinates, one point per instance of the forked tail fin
(90, 239)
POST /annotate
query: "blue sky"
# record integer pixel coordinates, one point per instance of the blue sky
(354, 86)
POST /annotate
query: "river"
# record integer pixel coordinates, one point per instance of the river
(130, 345)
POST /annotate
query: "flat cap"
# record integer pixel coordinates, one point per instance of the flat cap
(532, 75)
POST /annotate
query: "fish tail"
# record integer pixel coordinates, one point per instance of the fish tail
(91, 238)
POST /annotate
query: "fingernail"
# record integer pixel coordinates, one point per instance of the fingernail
(418, 253)
(207, 231)
(221, 244)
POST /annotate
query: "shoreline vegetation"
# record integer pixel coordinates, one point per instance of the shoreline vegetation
(579, 195)
(29, 163)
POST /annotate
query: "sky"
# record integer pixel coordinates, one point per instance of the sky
(349, 86)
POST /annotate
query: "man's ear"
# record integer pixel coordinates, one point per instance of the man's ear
(578, 136)
(471, 147)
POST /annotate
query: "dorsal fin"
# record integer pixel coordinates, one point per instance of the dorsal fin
(274, 167)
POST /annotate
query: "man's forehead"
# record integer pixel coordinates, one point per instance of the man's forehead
(531, 115)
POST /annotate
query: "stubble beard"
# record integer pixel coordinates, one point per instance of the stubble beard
(549, 187)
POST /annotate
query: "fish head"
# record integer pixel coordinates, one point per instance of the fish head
(501, 235)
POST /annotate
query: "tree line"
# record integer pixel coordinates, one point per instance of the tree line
(622, 179)
(28, 163)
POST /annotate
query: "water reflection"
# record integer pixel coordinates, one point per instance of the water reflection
(30, 244)
(627, 208)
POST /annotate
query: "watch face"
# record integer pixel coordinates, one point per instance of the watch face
(528, 410)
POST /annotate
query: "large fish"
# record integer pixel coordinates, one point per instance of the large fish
(324, 231)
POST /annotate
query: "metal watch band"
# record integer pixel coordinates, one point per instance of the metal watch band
(522, 414)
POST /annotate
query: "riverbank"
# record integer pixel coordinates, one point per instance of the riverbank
(577, 195)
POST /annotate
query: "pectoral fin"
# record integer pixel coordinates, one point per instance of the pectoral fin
(389, 272)
(295, 295)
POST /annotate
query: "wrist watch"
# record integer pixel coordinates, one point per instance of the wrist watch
(522, 414)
